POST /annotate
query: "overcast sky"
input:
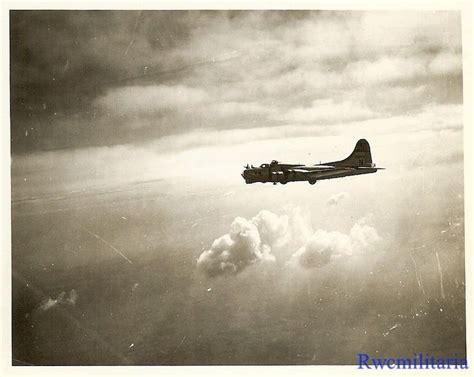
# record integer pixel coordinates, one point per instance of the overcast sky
(113, 89)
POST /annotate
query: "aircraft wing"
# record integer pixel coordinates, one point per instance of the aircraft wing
(340, 172)
(331, 173)
(290, 166)
(311, 169)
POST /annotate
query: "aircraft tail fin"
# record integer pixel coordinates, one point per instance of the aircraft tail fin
(360, 157)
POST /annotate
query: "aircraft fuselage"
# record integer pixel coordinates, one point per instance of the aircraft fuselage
(359, 162)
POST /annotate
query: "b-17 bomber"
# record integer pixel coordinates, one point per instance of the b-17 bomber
(358, 162)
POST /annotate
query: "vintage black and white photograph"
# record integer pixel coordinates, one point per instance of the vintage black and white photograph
(237, 187)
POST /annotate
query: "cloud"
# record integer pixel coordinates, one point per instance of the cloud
(248, 242)
(336, 198)
(273, 229)
(322, 247)
(408, 31)
(385, 70)
(296, 81)
(442, 157)
(329, 111)
(324, 37)
(363, 235)
(393, 98)
(221, 70)
(234, 108)
(233, 252)
(300, 224)
(446, 63)
(61, 299)
(253, 241)
(193, 154)
(151, 99)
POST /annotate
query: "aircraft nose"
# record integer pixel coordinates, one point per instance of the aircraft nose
(245, 176)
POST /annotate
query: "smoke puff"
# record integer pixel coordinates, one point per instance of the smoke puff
(323, 246)
(60, 300)
(73, 296)
(233, 252)
(48, 304)
(335, 199)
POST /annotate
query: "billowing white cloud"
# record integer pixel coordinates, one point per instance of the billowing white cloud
(273, 229)
(248, 242)
(324, 246)
(321, 247)
(252, 241)
(300, 224)
(363, 235)
(233, 252)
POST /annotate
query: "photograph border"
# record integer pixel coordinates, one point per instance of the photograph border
(5, 192)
